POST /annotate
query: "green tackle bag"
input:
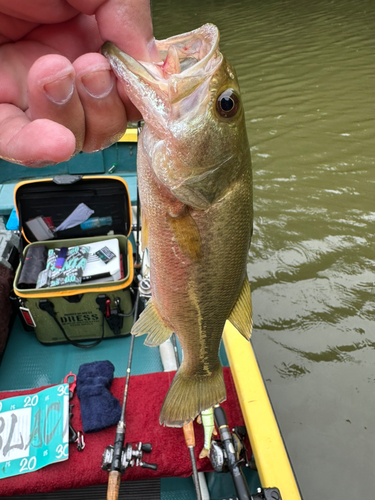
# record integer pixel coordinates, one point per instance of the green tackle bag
(87, 308)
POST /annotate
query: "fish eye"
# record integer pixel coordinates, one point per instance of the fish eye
(227, 104)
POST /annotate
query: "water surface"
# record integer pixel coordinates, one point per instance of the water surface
(306, 71)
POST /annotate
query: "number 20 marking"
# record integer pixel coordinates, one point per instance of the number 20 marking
(31, 401)
(27, 465)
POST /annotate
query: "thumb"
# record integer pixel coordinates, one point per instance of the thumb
(126, 23)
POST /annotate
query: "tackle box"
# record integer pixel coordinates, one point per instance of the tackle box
(89, 311)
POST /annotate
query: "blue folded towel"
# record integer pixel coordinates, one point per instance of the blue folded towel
(99, 408)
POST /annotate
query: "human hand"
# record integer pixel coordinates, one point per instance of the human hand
(58, 94)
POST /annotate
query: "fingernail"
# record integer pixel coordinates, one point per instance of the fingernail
(61, 90)
(98, 83)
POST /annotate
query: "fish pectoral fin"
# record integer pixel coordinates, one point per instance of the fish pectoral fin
(241, 316)
(186, 233)
(150, 323)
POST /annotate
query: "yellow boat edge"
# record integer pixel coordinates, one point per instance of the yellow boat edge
(131, 135)
(272, 460)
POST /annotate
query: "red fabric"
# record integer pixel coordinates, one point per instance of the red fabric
(145, 397)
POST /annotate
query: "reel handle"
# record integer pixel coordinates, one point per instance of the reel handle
(146, 447)
(145, 465)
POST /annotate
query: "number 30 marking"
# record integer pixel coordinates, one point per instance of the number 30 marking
(62, 451)
(63, 390)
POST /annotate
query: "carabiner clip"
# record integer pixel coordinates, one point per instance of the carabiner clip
(72, 385)
(80, 441)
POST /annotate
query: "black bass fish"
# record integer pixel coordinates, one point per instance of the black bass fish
(195, 183)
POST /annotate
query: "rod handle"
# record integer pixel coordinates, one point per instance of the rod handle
(114, 481)
(189, 434)
(220, 417)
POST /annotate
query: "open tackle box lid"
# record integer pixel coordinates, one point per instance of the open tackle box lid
(57, 197)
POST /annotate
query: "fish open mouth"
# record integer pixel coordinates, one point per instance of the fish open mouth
(187, 61)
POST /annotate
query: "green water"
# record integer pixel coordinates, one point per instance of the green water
(306, 71)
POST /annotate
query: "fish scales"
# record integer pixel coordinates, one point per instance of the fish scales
(194, 174)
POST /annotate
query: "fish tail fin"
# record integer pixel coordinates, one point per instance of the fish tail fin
(189, 395)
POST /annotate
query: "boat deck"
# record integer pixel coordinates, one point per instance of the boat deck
(29, 364)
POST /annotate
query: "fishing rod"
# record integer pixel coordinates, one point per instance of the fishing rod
(138, 243)
(117, 458)
(189, 433)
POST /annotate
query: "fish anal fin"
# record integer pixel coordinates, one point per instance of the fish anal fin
(150, 323)
(241, 316)
(186, 233)
(189, 395)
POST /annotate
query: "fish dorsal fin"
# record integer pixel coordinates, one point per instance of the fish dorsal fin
(186, 233)
(150, 323)
(241, 316)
